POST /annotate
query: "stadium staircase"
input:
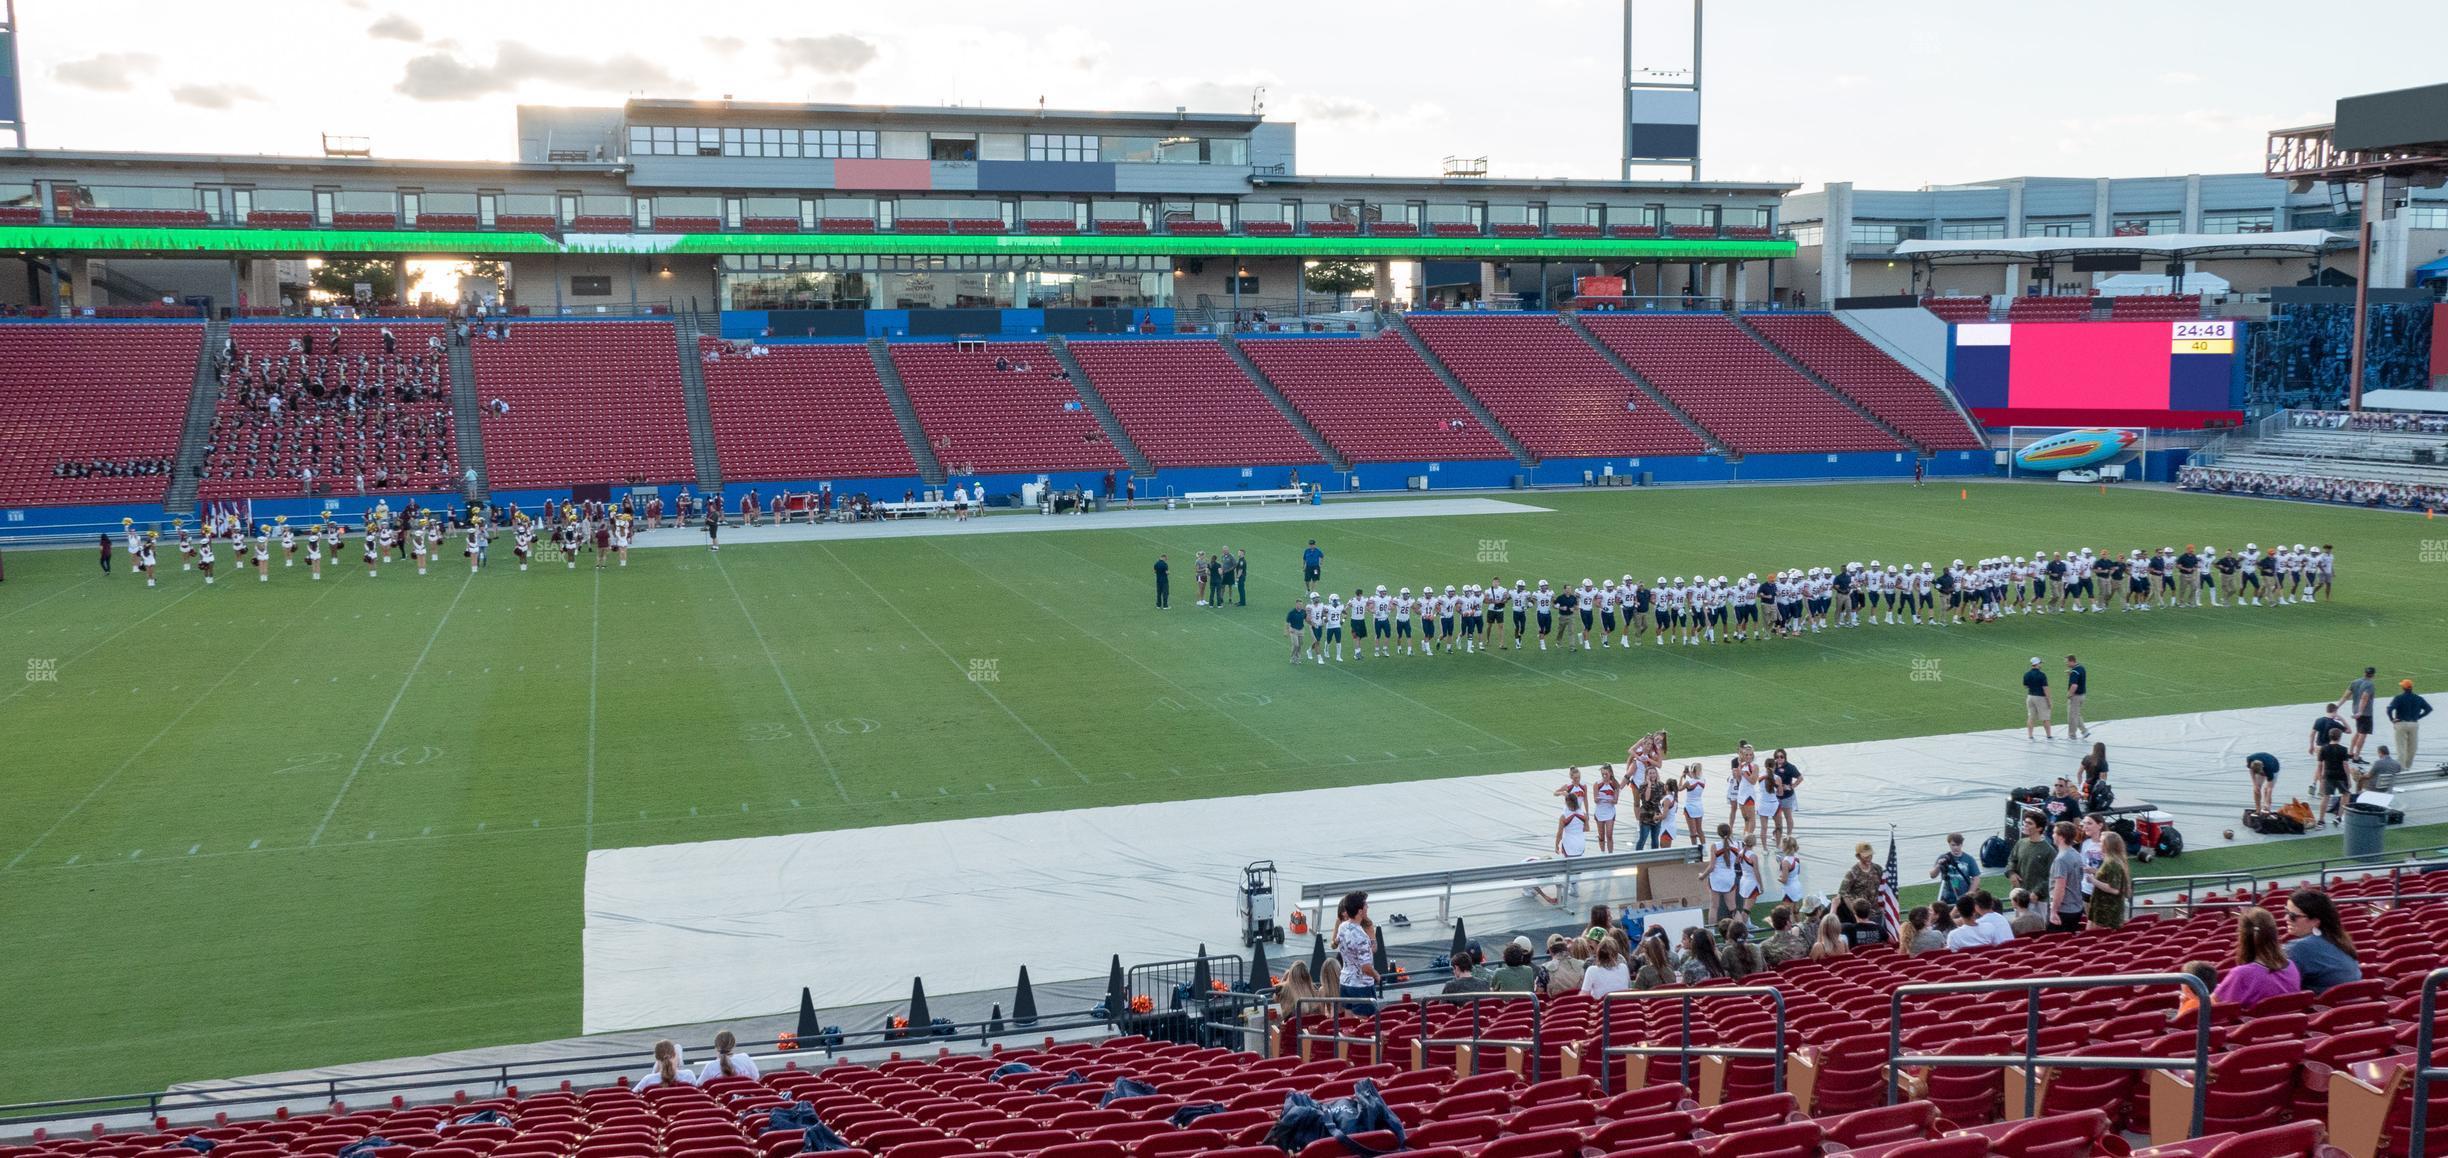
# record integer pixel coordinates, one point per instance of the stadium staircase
(1445, 374)
(1283, 406)
(467, 424)
(687, 326)
(930, 469)
(1783, 355)
(1649, 389)
(1095, 402)
(203, 401)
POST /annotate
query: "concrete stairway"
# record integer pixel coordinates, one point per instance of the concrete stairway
(467, 424)
(1095, 402)
(686, 328)
(1647, 388)
(1782, 355)
(930, 469)
(1453, 382)
(1283, 406)
(203, 396)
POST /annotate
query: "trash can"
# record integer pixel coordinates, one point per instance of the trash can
(2364, 825)
(1648, 478)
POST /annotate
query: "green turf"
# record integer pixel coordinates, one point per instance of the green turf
(263, 827)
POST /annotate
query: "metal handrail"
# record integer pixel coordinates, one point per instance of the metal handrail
(2425, 1071)
(1376, 1015)
(1538, 1018)
(503, 1075)
(2322, 871)
(1608, 1051)
(2031, 1061)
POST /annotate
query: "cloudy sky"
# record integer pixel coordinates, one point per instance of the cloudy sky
(1887, 93)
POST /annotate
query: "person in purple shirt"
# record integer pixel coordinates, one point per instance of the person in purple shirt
(2261, 970)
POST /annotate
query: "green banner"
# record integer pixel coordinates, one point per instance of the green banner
(412, 243)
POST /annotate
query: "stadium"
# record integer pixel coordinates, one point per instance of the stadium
(726, 628)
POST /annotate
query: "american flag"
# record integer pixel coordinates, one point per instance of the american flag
(1887, 894)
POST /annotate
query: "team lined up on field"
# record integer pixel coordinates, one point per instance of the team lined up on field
(415, 537)
(1691, 611)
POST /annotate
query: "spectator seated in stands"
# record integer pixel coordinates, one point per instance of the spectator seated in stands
(1788, 940)
(1831, 939)
(1298, 985)
(2320, 949)
(1464, 980)
(1563, 968)
(2261, 970)
(728, 1062)
(2187, 1004)
(2314, 487)
(1987, 927)
(1609, 973)
(667, 1069)
(1700, 960)
(1518, 974)
(1740, 957)
(2028, 920)
(106, 468)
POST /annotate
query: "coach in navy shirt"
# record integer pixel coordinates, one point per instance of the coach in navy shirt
(2036, 701)
(1313, 563)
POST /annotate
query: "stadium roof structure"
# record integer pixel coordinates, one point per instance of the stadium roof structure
(2169, 246)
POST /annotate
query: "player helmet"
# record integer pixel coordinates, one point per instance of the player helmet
(1518, 584)
(1381, 589)
(1752, 577)
(1406, 592)
(1542, 583)
(1609, 583)
(1662, 581)
(1335, 598)
(2252, 546)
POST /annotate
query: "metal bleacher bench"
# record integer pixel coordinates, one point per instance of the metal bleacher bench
(1444, 883)
(921, 508)
(1228, 498)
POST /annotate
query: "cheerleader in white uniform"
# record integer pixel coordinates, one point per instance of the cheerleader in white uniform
(1695, 800)
(204, 560)
(1572, 836)
(1602, 806)
(1789, 871)
(416, 547)
(144, 558)
(1724, 873)
(314, 552)
(263, 553)
(288, 536)
(373, 550)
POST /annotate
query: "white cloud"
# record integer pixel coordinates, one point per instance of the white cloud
(214, 96)
(107, 71)
(442, 76)
(394, 26)
(837, 54)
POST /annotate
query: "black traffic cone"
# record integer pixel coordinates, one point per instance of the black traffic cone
(1117, 992)
(809, 1030)
(918, 1020)
(1461, 943)
(1024, 1002)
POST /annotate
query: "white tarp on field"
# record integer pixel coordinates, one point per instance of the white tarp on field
(722, 929)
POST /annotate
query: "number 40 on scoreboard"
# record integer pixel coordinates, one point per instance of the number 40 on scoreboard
(2203, 337)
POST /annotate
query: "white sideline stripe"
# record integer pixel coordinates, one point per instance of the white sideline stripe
(1145, 517)
(385, 722)
(1061, 891)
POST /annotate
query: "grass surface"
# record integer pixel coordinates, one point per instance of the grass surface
(266, 826)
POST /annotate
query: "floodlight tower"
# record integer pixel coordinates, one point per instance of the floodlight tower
(1661, 99)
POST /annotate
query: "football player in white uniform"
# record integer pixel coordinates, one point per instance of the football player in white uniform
(1334, 627)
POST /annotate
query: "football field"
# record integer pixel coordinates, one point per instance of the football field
(263, 826)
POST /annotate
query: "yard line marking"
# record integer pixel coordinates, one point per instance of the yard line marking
(823, 757)
(980, 685)
(147, 746)
(1084, 633)
(385, 722)
(52, 596)
(105, 640)
(594, 650)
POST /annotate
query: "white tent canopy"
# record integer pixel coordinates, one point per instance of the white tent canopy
(2432, 401)
(2144, 284)
(2167, 246)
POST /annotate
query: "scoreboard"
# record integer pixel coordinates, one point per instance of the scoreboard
(2125, 373)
